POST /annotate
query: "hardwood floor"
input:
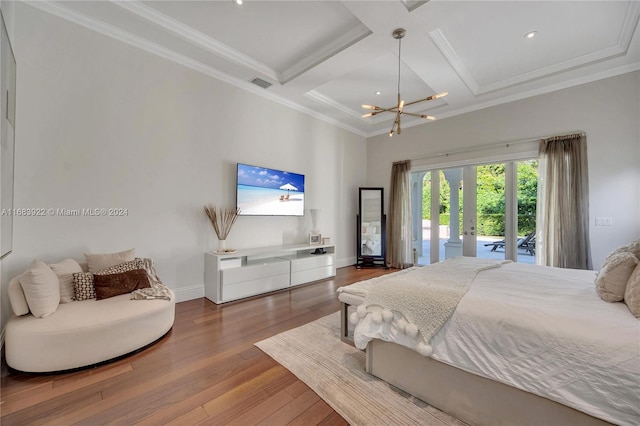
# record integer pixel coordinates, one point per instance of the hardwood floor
(204, 371)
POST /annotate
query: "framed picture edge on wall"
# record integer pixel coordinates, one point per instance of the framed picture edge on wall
(7, 139)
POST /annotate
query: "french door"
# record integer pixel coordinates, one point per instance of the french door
(475, 211)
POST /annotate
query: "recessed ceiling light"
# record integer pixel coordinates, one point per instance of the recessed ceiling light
(530, 34)
(238, 1)
(378, 92)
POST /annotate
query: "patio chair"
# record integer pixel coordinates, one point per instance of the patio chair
(496, 244)
(527, 243)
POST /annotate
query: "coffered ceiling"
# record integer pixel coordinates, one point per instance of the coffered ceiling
(326, 58)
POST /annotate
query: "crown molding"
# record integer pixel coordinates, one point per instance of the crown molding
(195, 37)
(620, 48)
(108, 30)
(319, 97)
(329, 50)
(524, 95)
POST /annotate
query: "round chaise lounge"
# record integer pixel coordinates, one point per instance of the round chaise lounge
(82, 333)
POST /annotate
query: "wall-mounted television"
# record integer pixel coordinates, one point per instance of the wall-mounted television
(268, 192)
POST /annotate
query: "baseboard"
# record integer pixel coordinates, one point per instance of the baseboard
(189, 293)
(342, 263)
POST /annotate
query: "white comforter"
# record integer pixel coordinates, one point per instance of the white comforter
(543, 330)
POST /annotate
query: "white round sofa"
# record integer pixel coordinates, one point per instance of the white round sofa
(82, 333)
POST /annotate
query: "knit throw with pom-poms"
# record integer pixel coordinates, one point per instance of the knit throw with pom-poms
(420, 302)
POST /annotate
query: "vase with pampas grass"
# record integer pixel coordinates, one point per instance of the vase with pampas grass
(222, 220)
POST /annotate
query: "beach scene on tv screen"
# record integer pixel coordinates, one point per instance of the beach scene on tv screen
(269, 192)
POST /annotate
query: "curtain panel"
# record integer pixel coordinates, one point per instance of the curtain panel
(399, 248)
(563, 203)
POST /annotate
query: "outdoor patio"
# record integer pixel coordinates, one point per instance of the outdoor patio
(482, 251)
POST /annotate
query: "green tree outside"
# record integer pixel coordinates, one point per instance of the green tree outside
(491, 198)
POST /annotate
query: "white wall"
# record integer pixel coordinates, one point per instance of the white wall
(102, 124)
(607, 110)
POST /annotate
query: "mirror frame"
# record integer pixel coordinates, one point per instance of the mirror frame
(371, 259)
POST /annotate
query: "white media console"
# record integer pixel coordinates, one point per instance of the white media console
(248, 272)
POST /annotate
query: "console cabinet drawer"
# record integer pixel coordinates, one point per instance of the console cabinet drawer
(309, 275)
(312, 262)
(262, 269)
(251, 288)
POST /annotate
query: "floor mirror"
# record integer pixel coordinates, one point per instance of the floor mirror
(371, 228)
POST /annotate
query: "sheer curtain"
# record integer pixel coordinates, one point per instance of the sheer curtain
(399, 250)
(563, 203)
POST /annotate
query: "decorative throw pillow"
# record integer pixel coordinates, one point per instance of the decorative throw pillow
(65, 270)
(96, 262)
(131, 265)
(120, 283)
(632, 293)
(17, 300)
(633, 248)
(41, 289)
(611, 281)
(83, 285)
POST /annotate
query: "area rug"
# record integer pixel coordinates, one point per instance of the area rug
(336, 372)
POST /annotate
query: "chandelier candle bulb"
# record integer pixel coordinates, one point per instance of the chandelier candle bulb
(398, 34)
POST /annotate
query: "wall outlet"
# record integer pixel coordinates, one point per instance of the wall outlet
(604, 221)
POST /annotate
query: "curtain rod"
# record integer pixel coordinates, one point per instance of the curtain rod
(495, 145)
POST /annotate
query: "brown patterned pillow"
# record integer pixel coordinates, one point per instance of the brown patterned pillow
(120, 283)
(122, 267)
(83, 285)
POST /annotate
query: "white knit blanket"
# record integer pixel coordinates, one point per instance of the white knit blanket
(421, 301)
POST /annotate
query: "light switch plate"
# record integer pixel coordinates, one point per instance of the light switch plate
(604, 221)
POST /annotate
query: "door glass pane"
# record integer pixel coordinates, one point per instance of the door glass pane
(428, 225)
(424, 249)
(451, 211)
(491, 211)
(527, 199)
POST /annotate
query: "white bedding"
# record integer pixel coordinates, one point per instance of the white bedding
(543, 330)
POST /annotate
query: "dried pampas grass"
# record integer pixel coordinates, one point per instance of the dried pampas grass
(222, 219)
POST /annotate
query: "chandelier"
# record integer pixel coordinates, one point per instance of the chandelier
(398, 34)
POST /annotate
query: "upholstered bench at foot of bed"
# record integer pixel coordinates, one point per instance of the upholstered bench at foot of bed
(81, 334)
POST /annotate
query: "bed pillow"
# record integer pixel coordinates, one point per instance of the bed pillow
(83, 286)
(612, 279)
(96, 262)
(632, 293)
(41, 289)
(120, 283)
(65, 270)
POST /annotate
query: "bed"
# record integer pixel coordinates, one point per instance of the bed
(525, 344)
